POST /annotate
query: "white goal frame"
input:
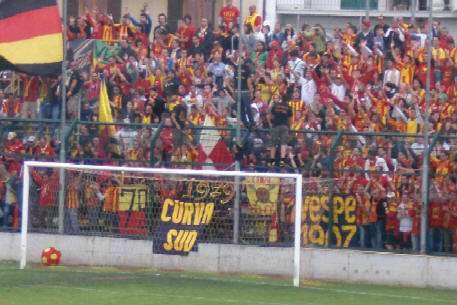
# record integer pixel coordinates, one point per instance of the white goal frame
(185, 172)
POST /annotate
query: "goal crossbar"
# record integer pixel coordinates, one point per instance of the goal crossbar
(185, 172)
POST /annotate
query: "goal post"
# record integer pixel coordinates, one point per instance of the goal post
(40, 186)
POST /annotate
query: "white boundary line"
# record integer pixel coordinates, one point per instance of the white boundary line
(234, 280)
(224, 301)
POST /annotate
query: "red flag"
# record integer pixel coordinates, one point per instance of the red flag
(220, 154)
(212, 148)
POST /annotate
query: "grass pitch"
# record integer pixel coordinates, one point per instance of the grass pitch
(89, 285)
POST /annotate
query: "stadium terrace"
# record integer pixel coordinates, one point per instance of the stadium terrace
(345, 107)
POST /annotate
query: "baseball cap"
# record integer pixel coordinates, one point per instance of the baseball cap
(275, 43)
(390, 195)
(443, 96)
(11, 135)
(366, 22)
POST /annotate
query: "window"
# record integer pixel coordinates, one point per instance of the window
(358, 4)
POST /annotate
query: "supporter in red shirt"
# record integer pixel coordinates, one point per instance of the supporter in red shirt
(229, 14)
(113, 69)
(44, 149)
(276, 53)
(142, 83)
(93, 87)
(435, 215)
(29, 96)
(49, 184)
(452, 210)
(186, 32)
(392, 233)
(14, 146)
(11, 107)
(97, 25)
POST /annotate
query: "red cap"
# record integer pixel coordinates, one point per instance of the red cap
(366, 22)
(275, 43)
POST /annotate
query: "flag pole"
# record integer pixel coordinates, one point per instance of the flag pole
(426, 153)
(63, 92)
(237, 204)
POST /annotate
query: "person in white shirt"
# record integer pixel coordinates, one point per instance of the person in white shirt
(217, 68)
(395, 31)
(259, 35)
(391, 75)
(373, 161)
(338, 88)
(296, 65)
(193, 98)
(308, 86)
(405, 220)
(417, 148)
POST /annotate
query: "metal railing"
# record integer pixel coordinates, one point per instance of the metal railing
(341, 156)
(383, 6)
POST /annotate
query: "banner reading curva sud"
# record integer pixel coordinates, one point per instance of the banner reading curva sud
(183, 218)
(180, 224)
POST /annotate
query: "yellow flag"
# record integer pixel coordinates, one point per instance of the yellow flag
(104, 115)
(104, 110)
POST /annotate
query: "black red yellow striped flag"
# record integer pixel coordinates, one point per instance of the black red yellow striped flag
(31, 36)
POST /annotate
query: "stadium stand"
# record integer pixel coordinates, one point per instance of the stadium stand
(343, 103)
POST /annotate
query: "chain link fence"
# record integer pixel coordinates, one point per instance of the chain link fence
(362, 179)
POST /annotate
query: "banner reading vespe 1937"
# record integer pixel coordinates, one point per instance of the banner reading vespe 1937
(315, 220)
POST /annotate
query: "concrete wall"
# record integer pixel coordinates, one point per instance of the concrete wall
(316, 264)
(155, 7)
(161, 6)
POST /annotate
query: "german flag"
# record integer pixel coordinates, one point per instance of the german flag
(31, 37)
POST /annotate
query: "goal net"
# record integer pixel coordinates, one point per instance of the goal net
(174, 211)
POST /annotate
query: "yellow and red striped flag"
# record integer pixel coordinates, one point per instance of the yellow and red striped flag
(31, 36)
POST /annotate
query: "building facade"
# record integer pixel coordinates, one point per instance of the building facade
(295, 12)
(174, 9)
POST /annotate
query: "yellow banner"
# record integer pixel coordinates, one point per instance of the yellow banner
(315, 220)
(262, 194)
(132, 197)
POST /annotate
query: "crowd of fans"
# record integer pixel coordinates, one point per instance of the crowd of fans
(294, 83)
